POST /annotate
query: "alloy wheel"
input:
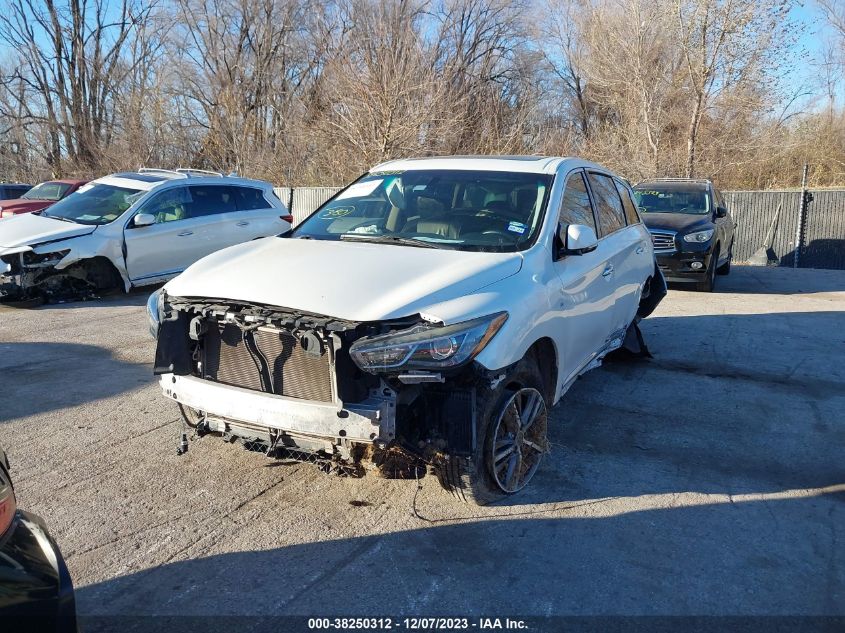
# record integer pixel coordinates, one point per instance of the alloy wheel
(519, 440)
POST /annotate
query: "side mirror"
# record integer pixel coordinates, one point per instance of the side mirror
(577, 239)
(143, 219)
(721, 212)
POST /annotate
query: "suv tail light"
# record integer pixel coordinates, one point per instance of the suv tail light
(8, 504)
(6, 214)
(287, 218)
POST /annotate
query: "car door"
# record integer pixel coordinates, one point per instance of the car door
(583, 303)
(255, 215)
(625, 250)
(167, 247)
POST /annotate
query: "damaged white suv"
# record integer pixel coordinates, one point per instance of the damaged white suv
(439, 306)
(132, 229)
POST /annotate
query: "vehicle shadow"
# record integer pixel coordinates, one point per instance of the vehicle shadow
(41, 376)
(709, 559)
(135, 297)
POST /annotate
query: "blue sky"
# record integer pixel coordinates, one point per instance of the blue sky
(814, 40)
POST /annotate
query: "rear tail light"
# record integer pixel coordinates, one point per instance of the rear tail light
(6, 214)
(8, 505)
(287, 218)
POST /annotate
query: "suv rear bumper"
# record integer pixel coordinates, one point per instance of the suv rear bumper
(367, 421)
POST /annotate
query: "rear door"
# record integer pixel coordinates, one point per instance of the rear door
(583, 305)
(625, 250)
(255, 215)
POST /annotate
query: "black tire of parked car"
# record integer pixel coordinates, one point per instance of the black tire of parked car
(725, 269)
(709, 282)
(472, 480)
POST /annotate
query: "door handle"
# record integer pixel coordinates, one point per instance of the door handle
(242, 223)
(607, 271)
(640, 249)
(184, 233)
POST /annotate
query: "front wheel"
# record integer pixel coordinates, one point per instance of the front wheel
(709, 282)
(725, 269)
(512, 428)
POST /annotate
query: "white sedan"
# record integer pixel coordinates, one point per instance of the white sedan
(132, 229)
(440, 306)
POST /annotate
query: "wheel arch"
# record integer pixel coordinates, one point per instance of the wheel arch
(544, 352)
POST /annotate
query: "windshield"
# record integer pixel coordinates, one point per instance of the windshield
(46, 191)
(93, 204)
(666, 200)
(466, 210)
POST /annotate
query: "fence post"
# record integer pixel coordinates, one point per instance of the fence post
(802, 216)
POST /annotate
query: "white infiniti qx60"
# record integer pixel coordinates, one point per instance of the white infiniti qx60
(429, 315)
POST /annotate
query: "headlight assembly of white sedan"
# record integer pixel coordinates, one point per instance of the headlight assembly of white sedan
(427, 347)
(155, 308)
(699, 237)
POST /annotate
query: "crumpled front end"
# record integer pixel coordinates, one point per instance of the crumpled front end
(285, 383)
(27, 271)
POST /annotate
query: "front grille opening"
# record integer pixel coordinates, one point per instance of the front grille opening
(267, 359)
(663, 241)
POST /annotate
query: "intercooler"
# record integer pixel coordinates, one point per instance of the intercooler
(270, 360)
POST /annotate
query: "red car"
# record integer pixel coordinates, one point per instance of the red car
(39, 197)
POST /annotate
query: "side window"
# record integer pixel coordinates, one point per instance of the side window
(611, 215)
(169, 206)
(250, 198)
(627, 203)
(576, 208)
(211, 200)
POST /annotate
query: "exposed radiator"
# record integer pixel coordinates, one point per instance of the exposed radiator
(293, 371)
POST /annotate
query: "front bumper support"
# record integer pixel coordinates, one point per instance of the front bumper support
(367, 421)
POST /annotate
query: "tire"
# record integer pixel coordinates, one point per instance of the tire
(725, 269)
(483, 479)
(709, 282)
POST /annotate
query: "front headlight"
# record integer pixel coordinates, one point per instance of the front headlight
(155, 308)
(427, 347)
(699, 237)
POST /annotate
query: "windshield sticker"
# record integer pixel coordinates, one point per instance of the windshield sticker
(336, 212)
(360, 189)
(516, 227)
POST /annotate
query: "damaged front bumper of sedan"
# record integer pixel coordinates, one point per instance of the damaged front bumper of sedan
(348, 396)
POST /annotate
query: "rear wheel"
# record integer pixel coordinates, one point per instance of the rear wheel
(512, 427)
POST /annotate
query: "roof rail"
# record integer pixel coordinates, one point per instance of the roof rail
(181, 172)
(198, 172)
(706, 180)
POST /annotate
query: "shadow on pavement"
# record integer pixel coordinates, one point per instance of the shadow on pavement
(702, 560)
(40, 377)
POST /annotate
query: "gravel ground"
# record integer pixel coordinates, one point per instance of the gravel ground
(709, 480)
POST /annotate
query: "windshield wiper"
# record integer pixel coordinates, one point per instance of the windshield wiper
(392, 239)
(58, 217)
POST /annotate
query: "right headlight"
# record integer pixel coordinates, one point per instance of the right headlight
(427, 347)
(699, 237)
(155, 308)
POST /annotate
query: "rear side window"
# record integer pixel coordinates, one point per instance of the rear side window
(576, 207)
(627, 203)
(211, 200)
(611, 215)
(250, 198)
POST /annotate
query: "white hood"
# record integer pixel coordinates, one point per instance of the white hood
(345, 280)
(21, 231)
